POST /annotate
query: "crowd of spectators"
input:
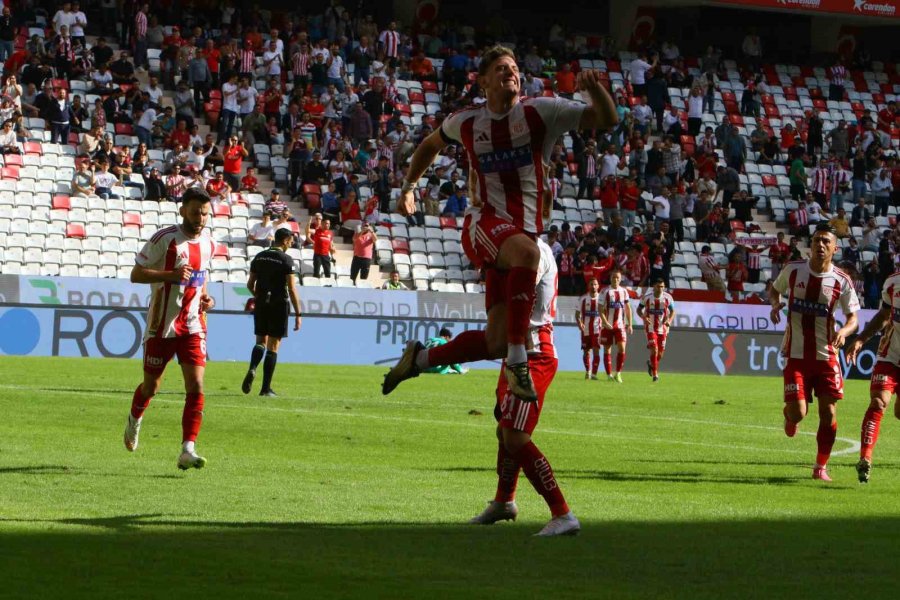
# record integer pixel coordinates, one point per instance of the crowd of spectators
(324, 94)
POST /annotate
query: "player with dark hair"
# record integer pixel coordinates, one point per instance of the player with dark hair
(657, 309)
(507, 142)
(517, 420)
(616, 317)
(175, 262)
(587, 316)
(271, 282)
(814, 289)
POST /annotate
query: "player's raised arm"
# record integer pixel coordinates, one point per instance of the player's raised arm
(421, 160)
(601, 112)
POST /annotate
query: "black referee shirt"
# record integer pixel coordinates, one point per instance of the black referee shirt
(272, 268)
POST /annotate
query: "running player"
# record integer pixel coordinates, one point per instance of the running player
(814, 290)
(507, 142)
(175, 262)
(886, 374)
(517, 419)
(615, 313)
(657, 309)
(271, 282)
(588, 318)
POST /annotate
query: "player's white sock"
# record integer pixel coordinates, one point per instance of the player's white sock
(187, 447)
(422, 360)
(516, 354)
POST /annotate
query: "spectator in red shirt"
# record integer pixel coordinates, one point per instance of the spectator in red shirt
(736, 273)
(249, 182)
(234, 154)
(363, 244)
(609, 197)
(628, 201)
(779, 254)
(323, 247)
(421, 67)
(218, 189)
(565, 81)
(213, 58)
(350, 213)
(180, 135)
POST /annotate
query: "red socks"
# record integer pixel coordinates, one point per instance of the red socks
(138, 403)
(507, 475)
(586, 359)
(520, 293)
(654, 364)
(825, 440)
(607, 362)
(595, 365)
(870, 426)
(539, 473)
(191, 417)
(468, 346)
(620, 362)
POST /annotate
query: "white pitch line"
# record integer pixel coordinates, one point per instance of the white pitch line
(853, 448)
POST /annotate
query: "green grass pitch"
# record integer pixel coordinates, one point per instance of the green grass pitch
(686, 488)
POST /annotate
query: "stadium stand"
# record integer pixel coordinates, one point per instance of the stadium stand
(763, 121)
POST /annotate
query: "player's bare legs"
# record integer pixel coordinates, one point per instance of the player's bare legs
(871, 425)
(825, 436)
(794, 412)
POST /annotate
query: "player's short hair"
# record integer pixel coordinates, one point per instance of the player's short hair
(195, 195)
(659, 280)
(492, 54)
(445, 333)
(826, 228)
(282, 234)
(593, 279)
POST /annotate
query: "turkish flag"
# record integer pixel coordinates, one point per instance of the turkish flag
(644, 27)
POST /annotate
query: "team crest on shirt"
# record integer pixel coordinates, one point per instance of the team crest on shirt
(519, 128)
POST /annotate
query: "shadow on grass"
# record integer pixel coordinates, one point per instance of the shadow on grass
(669, 477)
(147, 555)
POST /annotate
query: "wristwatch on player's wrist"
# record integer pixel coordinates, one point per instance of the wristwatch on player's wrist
(407, 186)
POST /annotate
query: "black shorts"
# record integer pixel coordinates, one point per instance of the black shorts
(271, 319)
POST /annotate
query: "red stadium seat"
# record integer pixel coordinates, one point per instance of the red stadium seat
(75, 230)
(221, 251)
(61, 84)
(295, 227)
(770, 181)
(416, 98)
(222, 210)
(313, 202)
(400, 246)
(429, 86)
(9, 172)
(33, 148)
(61, 202)
(131, 219)
(772, 111)
(124, 129)
(448, 222)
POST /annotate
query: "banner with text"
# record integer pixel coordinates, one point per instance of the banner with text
(886, 9)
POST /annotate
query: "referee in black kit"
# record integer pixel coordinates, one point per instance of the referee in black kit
(271, 282)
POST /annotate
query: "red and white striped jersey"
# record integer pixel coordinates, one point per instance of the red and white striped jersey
(839, 178)
(555, 186)
(614, 302)
(507, 154)
(248, 60)
(889, 347)
(753, 258)
(812, 299)
(709, 266)
(837, 74)
(300, 64)
(590, 170)
(175, 309)
(540, 329)
(140, 25)
(390, 40)
(589, 308)
(656, 311)
(801, 216)
(820, 181)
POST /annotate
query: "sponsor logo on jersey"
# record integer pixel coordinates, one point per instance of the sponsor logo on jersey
(505, 160)
(498, 229)
(197, 279)
(808, 307)
(879, 378)
(791, 388)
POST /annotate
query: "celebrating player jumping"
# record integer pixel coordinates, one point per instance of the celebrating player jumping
(617, 321)
(588, 318)
(886, 374)
(507, 142)
(814, 290)
(657, 309)
(517, 420)
(175, 262)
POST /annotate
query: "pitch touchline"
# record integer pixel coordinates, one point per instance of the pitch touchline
(853, 448)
